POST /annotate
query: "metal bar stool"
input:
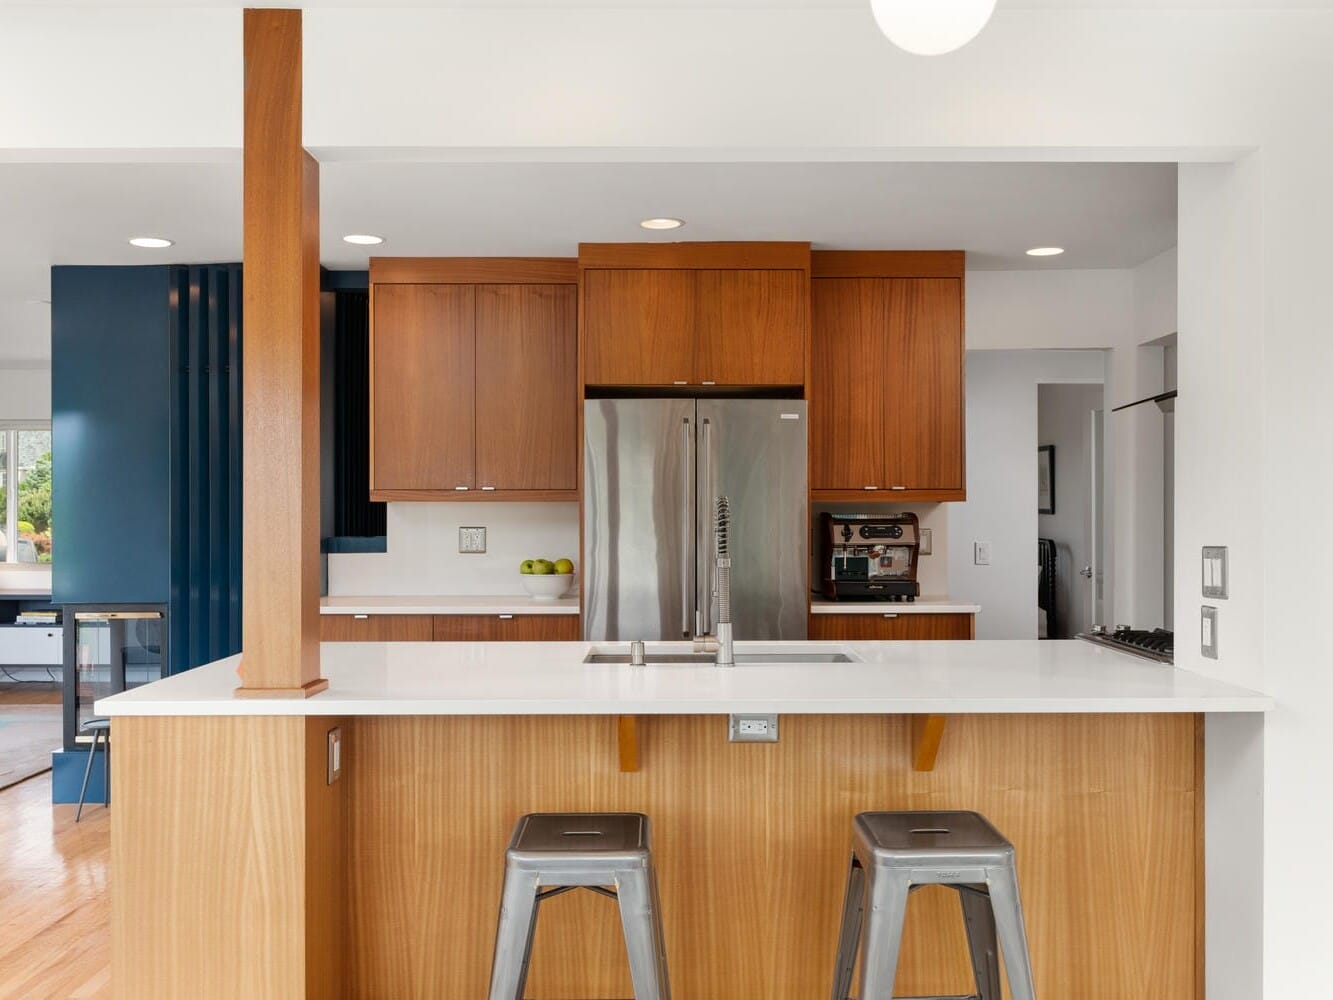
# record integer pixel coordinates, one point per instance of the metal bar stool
(98, 727)
(552, 853)
(894, 853)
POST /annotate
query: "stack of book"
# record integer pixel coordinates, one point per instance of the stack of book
(38, 618)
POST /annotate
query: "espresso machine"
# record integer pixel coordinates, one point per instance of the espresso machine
(869, 557)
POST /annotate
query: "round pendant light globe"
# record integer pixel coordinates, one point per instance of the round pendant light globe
(931, 27)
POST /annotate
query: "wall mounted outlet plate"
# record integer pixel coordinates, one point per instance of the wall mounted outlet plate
(753, 729)
(1215, 571)
(335, 754)
(1208, 632)
(471, 539)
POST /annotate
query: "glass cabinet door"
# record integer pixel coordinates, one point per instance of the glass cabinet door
(113, 651)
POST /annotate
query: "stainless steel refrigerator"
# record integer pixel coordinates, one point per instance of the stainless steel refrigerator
(652, 469)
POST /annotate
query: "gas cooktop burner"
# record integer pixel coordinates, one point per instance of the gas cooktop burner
(1159, 644)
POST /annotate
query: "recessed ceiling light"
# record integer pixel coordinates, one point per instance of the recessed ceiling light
(1046, 251)
(363, 240)
(662, 223)
(151, 242)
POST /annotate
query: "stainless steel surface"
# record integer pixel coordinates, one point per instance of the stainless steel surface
(1086, 572)
(688, 658)
(721, 593)
(1154, 644)
(636, 654)
(647, 548)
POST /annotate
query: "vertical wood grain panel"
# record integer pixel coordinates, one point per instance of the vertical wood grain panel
(752, 327)
(527, 394)
(638, 326)
(752, 842)
(515, 628)
(375, 628)
(423, 387)
(281, 386)
(875, 627)
(847, 375)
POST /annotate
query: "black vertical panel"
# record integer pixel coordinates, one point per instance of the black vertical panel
(354, 515)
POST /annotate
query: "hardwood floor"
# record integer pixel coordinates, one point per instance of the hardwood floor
(55, 919)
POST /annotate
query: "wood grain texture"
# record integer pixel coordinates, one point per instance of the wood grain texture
(923, 440)
(887, 263)
(281, 391)
(859, 628)
(751, 327)
(627, 732)
(472, 496)
(423, 357)
(474, 270)
(515, 628)
(527, 395)
(887, 496)
(1100, 808)
(774, 255)
(375, 628)
(638, 327)
(847, 369)
(228, 859)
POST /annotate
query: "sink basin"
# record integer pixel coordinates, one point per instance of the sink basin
(686, 657)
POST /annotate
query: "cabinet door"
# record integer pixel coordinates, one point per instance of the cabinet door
(507, 628)
(422, 415)
(923, 434)
(848, 382)
(527, 387)
(638, 326)
(374, 628)
(751, 327)
(887, 625)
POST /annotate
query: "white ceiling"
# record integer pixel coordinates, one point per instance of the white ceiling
(667, 4)
(1107, 215)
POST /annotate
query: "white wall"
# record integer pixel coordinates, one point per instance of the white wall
(1001, 505)
(25, 392)
(423, 556)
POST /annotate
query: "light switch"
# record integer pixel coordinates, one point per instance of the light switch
(981, 553)
(926, 542)
(1208, 632)
(471, 539)
(1215, 571)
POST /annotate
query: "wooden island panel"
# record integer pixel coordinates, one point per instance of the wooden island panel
(752, 840)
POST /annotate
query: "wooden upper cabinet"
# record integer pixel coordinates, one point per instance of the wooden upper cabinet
(527, 387)
(638, 326)
(847, 371)
(422, 416)
(751, 327)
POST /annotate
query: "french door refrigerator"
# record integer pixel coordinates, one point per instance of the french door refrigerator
(652, 469)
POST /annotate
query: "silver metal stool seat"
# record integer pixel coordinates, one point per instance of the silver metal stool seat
(894, 853)
(552, 853)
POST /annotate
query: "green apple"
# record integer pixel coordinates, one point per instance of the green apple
(527, 567)
(564, 566)
(543, 567)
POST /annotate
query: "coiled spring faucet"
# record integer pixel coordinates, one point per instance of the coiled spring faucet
(726, 656)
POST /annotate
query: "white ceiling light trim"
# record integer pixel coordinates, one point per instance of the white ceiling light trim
(662, 223)
(931, 27)
(363, 239)
(1046, 251)
(151, 242)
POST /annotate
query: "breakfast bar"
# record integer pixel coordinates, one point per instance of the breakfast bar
(1090, 760)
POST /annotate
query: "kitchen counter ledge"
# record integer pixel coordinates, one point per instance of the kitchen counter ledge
(535, 678)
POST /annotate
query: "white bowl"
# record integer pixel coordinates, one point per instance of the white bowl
(546, 586)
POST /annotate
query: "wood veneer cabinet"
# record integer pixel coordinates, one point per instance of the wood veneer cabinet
(374, 628)
(474, 374)
(886, 386)
(507, 628)
(695, 314)
(888, 625)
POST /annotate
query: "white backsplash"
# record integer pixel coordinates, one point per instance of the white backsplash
(423, 557)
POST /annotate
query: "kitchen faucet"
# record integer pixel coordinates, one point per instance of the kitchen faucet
(721, 641)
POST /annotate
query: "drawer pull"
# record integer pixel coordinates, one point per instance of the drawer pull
(361, 618)
(869, 487)
(897, 487)
(706, 382)
(505, 618)
(487, 488)
(890, 616)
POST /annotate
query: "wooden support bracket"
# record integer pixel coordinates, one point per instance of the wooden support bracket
(628, 731)
(927, 731)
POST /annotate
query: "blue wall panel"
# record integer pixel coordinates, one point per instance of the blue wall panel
(111, 422)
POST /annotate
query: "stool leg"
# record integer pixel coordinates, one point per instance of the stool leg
(661, 937)
(979, 920)
(883, 933)
(642, 935)
(513, 935)
(87, 772)
(1008, 909)
(853, 908)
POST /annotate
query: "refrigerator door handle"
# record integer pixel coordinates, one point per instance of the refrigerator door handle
(687, 583)
(706, 526)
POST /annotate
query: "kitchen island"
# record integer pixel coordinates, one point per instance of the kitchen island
(1088, 759)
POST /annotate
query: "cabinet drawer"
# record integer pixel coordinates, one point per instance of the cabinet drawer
(374, 628)
(507, 628)
(31, 646)
(888, 625)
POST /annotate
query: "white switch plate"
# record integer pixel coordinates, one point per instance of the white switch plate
(1208, 632)
(1215, 571)
(471, 539)
(926, 541)
(981, 553)
(335, 754)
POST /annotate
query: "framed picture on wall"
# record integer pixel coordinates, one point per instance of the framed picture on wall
(1046, 479)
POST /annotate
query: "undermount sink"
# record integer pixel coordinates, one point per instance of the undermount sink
(813, 654)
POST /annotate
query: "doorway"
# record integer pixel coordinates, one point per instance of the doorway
(1070, 433)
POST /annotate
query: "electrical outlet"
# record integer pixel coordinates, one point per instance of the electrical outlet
(335, 754)
(1208, 632)
(981, 553)
(926, 540)
(471, 539)
(754, 729)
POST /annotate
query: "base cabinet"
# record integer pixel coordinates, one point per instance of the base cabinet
(374, 628)
(891, 625)
(507, 628)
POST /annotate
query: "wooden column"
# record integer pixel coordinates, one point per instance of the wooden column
(280, 640)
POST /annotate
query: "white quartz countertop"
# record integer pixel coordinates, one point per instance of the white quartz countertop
(921, 606)
(550, 678)
(445, 605)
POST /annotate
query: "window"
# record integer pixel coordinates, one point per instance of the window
(25, 493)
